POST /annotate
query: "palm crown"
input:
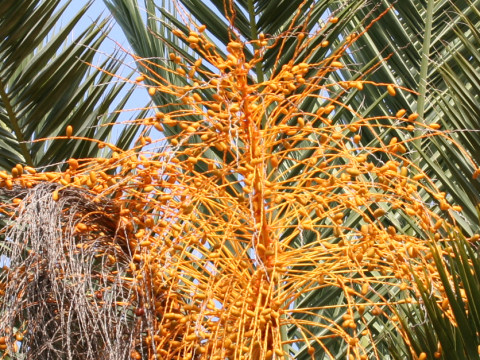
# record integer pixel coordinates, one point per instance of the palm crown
(321, 192)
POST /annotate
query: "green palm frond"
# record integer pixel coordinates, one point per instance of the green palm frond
(46, 83)
(452, 93)
(448, 329)
(451, 99)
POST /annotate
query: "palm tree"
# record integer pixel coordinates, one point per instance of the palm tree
(299, 229)
(430, 47)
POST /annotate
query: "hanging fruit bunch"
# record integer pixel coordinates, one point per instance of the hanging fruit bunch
(214, 236)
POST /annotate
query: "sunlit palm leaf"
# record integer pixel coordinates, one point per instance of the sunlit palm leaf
(46, 83)
(452, 78)
(448, 329)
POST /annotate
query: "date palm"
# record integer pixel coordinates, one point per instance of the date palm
(284, 201)
(430, 47)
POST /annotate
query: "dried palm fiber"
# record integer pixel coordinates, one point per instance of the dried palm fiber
(63, 291)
